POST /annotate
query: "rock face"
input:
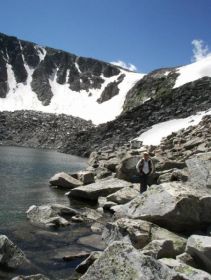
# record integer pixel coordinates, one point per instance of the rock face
(10, 255)
(122, 261)
(199, 247)
(172, 205)
(101, 188)
(49, 215)
(63, 180)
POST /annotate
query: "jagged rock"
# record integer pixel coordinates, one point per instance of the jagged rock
(159, 249)
(176, 206)
(87, 215)
(123, 196)
(187, 259)
(199, 168)
(10, 255)
(100, 188)
(123, 261)
(139, 233)
(82, 267)
(185, 271)
(199, 248)
(49, 215)
(31, 277)
(86, 177)
(63, 180)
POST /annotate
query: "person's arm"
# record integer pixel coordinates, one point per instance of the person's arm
(138, 166)
(152, 167)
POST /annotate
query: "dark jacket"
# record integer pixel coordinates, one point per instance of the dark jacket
(140, 165)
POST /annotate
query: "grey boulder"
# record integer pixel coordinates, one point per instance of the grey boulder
(49, 215)
(10, 255)
(123, 196)
(139, 233)
(63, 180)
(100, 188)
(122, 261)
(185, 271)
(199, 168)
(174, 205)
(199, 247)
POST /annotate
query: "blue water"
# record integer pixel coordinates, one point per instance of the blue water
(24, 177)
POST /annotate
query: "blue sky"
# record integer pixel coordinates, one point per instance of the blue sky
(149, 34)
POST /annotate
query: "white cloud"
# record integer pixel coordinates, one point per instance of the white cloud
(122, 64)
(200, 50)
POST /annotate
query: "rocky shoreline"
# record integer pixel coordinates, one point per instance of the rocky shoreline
(165, 231)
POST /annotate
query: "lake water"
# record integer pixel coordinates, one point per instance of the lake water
(24, 177)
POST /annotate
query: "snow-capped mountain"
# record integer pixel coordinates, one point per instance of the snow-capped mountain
(48, 80)
(167, 81)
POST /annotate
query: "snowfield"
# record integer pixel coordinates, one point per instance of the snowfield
(154, 135)
(81, 104)
(194, 71)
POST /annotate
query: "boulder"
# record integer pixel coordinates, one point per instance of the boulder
(173, 205)
(122, 261)
(100, 188)
(82, 267)
(187, 259)
(49, 215)
(199, 168)
(31, 277)
(199, 247)
(63, 180)
(139, 233)
(159, 249)
(185, 271)
(10, 255)
(127, 168)
(123, 196)
(86, 177)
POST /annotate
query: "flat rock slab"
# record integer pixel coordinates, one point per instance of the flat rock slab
(123, 196)
(63, 180)
(122, 261)
(94, 240)
(100, 188)
(174, 205)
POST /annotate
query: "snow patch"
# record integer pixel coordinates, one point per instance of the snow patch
(154, 135)
(194, 71)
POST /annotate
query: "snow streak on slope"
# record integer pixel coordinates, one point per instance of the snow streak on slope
(79, 104)
(85, 104)
(193, 71)
(154, 135)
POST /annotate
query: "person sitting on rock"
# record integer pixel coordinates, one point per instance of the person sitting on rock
(144, 167)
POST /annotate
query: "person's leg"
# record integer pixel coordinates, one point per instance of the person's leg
(143, 185)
